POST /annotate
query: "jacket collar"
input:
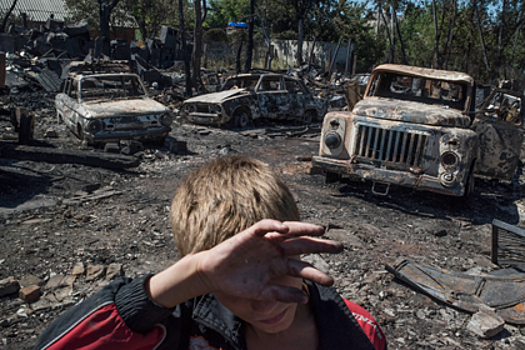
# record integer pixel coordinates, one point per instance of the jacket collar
(337, 327)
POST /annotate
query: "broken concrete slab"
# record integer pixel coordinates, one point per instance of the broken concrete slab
(94, 271)
(486, 323)
(114, 270)
(78, 269)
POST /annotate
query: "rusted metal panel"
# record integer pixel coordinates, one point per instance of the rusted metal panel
(408, 111)
(426, 72)
(466, 292)
(508, 244)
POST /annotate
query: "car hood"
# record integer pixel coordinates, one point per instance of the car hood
(408, 111)
(216, 97)
(121, 108)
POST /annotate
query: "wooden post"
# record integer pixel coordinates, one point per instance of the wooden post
(2, 70)
(329, 62)
(348, 55)
(310, 60)
(355, 64)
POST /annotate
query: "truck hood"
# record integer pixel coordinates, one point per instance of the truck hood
(120, 108)
(413, 112)
(215, 97)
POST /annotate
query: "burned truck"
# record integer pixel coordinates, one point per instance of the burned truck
(417, 128)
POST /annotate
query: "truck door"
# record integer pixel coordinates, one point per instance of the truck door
(498, 124)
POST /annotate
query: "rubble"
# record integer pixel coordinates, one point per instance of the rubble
(486, 323)
(29, 293)
(8, 286)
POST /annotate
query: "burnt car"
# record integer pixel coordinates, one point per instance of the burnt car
(103, 107)
(416, 127)
(246, 97)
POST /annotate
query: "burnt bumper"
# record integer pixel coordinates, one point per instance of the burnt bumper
(207, 118)
(392, 177)
(139, 135)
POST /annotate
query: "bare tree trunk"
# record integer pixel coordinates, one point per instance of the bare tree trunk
(500, 35)
(264, 26)
(405, 57)
(450, 35)
(200, 16)
(7, 15)
(516, 37)
(392, 23)
(378, 20)
(238, 57)
(300, 38)
(184, 49)
(391, 49)
(249, 46)
(483, 48)
(105, 9)
(436, 37)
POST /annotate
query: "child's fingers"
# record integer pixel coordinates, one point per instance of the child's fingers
(297, 268)
(309, 245)
(265, 226)
(298, 228)
(285, 294)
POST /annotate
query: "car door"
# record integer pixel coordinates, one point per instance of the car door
(273, 98)
(70, 105)
(499, 124)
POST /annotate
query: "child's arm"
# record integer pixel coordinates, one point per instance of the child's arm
(244, 265)
(126, 314)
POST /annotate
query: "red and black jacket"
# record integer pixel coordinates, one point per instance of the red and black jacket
(122, 316)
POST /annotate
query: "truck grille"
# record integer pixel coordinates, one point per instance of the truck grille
(402, 147)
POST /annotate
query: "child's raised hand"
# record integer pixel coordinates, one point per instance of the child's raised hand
(247, 264)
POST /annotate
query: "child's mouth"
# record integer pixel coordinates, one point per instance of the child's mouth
(275, 319)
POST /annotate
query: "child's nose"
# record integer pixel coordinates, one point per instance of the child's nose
(262, 306)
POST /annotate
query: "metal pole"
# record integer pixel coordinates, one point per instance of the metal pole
(348, 55)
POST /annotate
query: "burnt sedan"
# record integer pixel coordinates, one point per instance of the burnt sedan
(110, 107)
(247, 97)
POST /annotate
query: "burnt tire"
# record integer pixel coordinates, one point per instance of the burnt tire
(26, 129)
(309, 117)
(470, 184)
(331, 177)
(242, 119)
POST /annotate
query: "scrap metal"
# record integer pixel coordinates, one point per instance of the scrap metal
(506, 294)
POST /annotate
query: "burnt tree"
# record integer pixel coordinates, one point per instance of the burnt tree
(105, 8)
(6, 18)
(200, 17)
(187, 69)
(249, 45)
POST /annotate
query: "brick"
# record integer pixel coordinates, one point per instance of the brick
(30, 293)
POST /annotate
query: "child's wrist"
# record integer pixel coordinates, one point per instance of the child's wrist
(177, 284)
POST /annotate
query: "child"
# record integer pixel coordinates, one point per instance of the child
(230, 290)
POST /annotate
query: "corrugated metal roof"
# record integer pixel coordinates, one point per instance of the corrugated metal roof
(37, 10)
(40, 10)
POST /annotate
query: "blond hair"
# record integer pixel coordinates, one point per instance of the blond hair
(225, 197)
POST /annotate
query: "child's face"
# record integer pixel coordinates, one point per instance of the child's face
(264, 315)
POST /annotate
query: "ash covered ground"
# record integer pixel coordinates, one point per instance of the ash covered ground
(57, 234)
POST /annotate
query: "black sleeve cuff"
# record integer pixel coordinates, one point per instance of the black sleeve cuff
(138, 311)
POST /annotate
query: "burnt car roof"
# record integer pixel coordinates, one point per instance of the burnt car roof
(246, 75)
(426, 72)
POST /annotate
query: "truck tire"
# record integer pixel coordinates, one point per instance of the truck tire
(331, 177)
(27, 128)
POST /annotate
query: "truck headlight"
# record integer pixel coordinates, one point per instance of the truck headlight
(166, 119)
(332, 140)
(449, 160)
(95, 126)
